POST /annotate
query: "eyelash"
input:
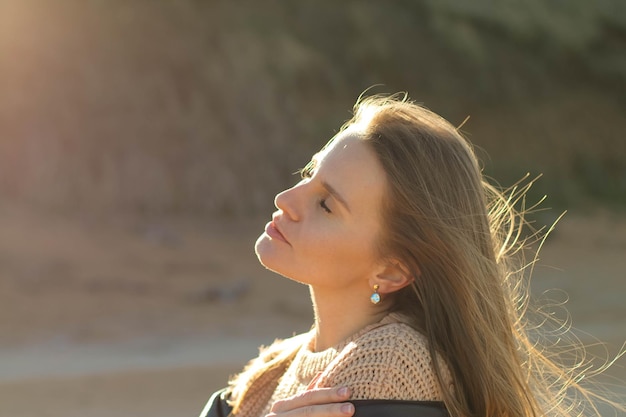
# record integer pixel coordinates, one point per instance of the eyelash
(307, 172)
(324, 206)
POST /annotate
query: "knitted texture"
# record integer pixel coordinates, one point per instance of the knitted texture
(391, 362)
(252, 388)
(387, 360)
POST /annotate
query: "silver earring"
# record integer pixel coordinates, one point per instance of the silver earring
(375, 298)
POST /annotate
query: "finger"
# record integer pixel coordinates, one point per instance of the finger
(311, 397)
(319, 410)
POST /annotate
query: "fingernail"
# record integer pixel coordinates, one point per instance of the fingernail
(343, 392)
(347, 409)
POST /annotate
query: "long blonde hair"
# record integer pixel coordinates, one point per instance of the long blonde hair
(458, 234)
(459, 237)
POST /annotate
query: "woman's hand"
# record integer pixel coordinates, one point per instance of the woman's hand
(320, 402)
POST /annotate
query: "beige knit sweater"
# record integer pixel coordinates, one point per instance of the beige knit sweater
(386, 360)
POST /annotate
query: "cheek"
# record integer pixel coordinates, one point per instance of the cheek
(340, 249)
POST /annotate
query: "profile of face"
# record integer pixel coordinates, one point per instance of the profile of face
(325, 229)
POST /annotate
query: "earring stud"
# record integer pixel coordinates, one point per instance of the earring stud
(375, 298)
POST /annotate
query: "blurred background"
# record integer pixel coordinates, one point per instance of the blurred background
(142, 142)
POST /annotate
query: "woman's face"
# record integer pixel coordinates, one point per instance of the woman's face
(325, 229)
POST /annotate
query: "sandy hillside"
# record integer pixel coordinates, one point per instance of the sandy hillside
(128, 317)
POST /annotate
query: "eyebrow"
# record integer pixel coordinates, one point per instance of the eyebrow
(336, 195)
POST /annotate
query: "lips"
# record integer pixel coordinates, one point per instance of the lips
(272, 231)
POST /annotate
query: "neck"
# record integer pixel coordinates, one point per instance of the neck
(340, 315)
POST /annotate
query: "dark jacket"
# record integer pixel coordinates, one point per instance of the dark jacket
(217, 407)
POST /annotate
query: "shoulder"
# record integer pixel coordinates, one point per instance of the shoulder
(392, 361)
(269, 365)
(392, 336)
(282, 347)
(395, 346)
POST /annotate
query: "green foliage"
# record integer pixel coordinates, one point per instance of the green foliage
(603, 179)
(209, 106)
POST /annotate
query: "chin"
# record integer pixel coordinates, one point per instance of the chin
(266, 252)
(270, 257)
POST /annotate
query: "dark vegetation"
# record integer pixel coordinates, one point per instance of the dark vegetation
(208, 106)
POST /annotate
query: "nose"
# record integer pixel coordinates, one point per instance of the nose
(285, 201)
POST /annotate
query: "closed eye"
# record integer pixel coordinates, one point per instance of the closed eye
(324, 206)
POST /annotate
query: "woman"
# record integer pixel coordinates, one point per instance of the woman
(406, 250)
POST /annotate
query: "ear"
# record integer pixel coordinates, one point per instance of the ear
(391, 277)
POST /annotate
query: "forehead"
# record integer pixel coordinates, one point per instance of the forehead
(352, 168)
(346, 146)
